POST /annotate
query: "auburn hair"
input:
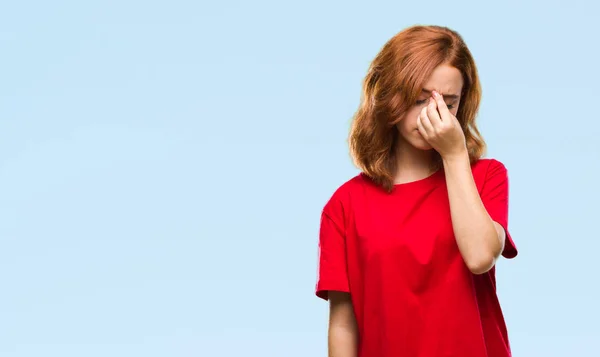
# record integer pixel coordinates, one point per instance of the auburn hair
(392, 85)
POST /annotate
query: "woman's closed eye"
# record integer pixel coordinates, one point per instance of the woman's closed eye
(423, 101)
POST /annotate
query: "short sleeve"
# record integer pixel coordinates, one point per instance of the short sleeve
(332, 268)
(494, 196)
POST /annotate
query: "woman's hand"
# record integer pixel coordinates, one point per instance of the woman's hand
(441, 129)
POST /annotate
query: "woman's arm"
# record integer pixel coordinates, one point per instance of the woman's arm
(480, 239)
(343, 333)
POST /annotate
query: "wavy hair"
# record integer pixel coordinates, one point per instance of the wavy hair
(392, 85)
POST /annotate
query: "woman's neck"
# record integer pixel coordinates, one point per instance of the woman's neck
(413, 164)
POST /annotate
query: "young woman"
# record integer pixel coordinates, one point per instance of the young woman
(407, 247)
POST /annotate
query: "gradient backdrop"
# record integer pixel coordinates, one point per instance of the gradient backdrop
(163, 165)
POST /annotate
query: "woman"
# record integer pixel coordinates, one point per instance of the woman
(407, 247)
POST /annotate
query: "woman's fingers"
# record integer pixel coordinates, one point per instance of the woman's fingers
(425, 122)
(433, 115)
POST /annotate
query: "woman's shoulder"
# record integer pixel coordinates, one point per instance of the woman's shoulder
(488, 161)
(345, 189)
(488, 168)
(486, 164)
(343, 193)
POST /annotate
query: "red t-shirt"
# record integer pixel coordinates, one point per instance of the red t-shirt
(397, 256)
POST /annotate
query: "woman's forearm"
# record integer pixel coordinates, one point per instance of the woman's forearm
(343, 332)
(343, 341)
(477, 235)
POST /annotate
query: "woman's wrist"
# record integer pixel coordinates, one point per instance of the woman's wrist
(459, 158)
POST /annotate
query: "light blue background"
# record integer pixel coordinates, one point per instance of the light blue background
(163, 166)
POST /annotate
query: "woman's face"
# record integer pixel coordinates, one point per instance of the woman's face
(447, 81)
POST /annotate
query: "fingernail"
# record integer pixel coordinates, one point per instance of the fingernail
(436, 94)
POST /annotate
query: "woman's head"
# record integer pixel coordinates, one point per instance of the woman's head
(399, 82)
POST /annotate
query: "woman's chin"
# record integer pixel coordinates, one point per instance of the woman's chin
(420, 143)
(424, 147)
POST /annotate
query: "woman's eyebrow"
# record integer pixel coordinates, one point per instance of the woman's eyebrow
(449, 96)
